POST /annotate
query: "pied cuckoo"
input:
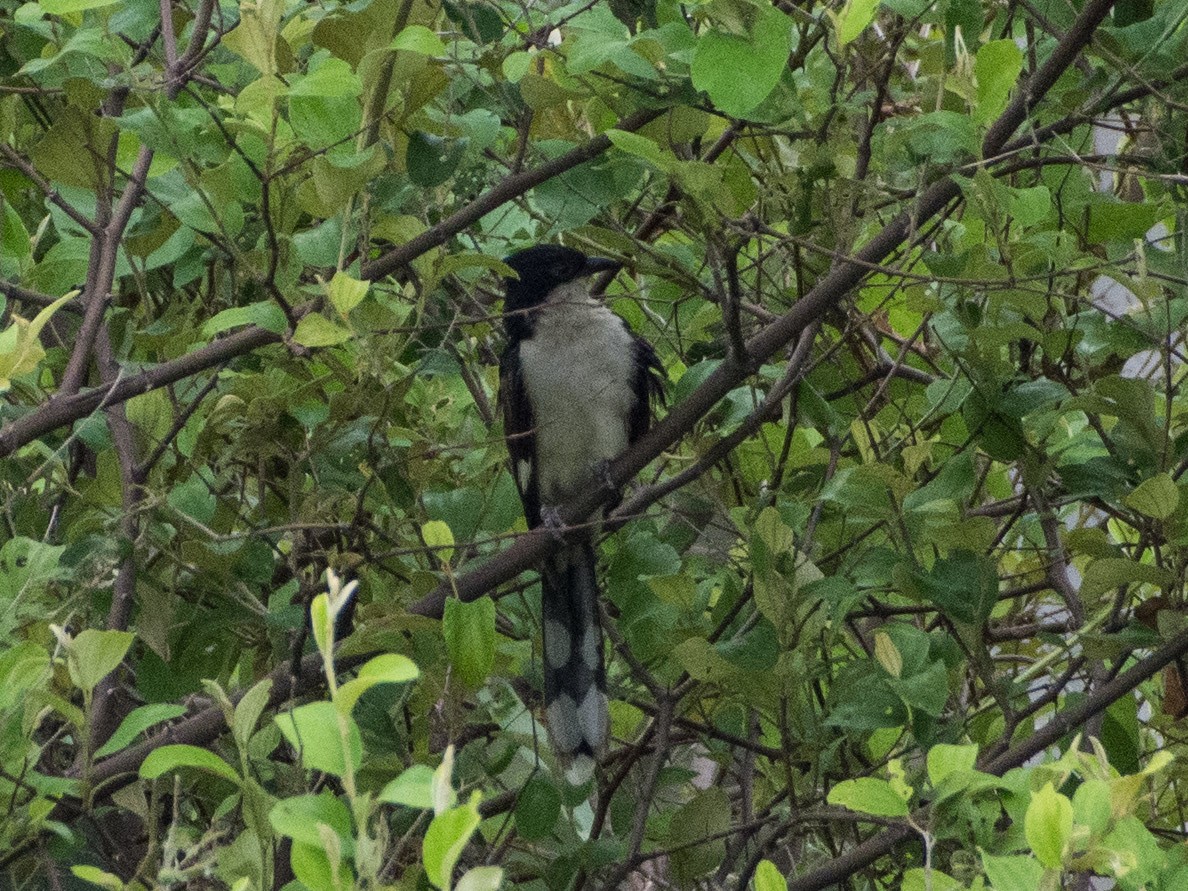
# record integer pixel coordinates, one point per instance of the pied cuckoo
(577, 387)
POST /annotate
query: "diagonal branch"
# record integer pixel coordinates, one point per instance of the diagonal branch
(512, 187)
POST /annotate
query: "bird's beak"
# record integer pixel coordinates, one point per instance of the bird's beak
(595, 265)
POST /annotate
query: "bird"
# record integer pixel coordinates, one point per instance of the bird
(577, 387)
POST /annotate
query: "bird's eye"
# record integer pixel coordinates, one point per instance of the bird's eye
(563, 271)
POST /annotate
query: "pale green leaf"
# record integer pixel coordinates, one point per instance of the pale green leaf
(418, 39)
(315, 732)
(854, 18)
(346, 293)
(869, 795)
(95, 654)
(1016, 873)
(389, 668)
(317, 331)
(446, 838)
(481, 878)
(996, 68)
(769, 878)
(944, 759)
(739, 71)
(1048, 825)
(413, 788)
(137, 721)
(1157, 497)
(168, 759)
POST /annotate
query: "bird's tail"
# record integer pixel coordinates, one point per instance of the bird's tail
(574, 675)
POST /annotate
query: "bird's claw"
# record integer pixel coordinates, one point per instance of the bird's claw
(602, 473)
(550, 519)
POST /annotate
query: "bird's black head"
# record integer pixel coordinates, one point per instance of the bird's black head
(541, 269)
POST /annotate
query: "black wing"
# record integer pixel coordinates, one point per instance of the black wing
(648, 385)
(519, 427)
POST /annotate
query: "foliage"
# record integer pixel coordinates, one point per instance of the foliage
(898, 600)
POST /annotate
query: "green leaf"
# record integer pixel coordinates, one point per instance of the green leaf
(23, 667)
(1130, 12)
(481, 878)
(67, 7)
(248, 711)
(1092, 805)
(869, 795)
(739, 71)
(313, 730)
(316, 867)
(16, 250)
(1030, 207)
(888, 654)
(298, 818)
(1107, 573)
(440, 537)
(389, 668)
(95, 654)
(20, 344)
(538, 808)
(430, 159)
(706, 815)
(137, 721)
(318, 331)
(469, 630)
(919, 879)
(1112, 220)
(996, 68)
(853, 19)
(418, 39)
(174, 757)
(264, 313)
(346, 293)
(1048, 825)
(321, 622)
(333, 78)
(642, 147)
(1014, 873)
(769, 878)
(413, 788)
(944, 759)
(441, 789)
(446, 838)
(964, 585)
(1157, 497)
(516, 65)
(96, 876)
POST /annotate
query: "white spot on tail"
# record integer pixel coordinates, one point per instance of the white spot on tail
(556, 644)
(580, 770)
(589, 649)
(592, 718)
(564, 727)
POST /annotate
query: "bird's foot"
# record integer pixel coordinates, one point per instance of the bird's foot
(550, 519)
(602, 473)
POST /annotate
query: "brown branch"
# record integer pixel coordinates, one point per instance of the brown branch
(48, 189)
(102, 720)
(512, 187)
(13, 291)
(66, 410)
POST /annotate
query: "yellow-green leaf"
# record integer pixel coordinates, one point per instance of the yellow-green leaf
(317, 331)
(1157, 497)
(1048, 825)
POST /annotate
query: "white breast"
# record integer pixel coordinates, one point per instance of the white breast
(578, 369)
